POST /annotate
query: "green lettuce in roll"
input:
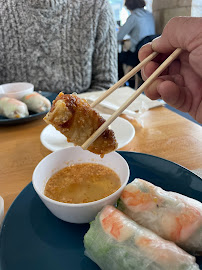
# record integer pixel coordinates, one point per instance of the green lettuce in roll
(115, 242)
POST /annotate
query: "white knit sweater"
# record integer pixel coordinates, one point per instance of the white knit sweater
(58, 45)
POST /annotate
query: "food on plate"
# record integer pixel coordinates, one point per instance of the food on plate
(13, 108)
(75, 119)
(82, 183)
(36, 102)
(116, 242)
(171, 215)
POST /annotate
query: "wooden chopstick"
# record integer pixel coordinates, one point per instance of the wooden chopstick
(154, 75)
(124, 79)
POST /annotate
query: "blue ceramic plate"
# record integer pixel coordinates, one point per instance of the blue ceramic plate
(32, 238)
(32, 116)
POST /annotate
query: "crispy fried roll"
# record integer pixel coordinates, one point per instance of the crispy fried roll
(74, 118)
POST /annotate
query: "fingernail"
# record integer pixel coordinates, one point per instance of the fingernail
(143, 74)
(155, 43)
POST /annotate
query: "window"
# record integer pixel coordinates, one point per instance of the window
(120, 11)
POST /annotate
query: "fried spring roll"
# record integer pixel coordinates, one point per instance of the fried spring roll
(13, 108)
(75, 119)
(115, 242)
(171, 215)
(36, 102)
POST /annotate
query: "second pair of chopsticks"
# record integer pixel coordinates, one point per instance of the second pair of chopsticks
(154, 75)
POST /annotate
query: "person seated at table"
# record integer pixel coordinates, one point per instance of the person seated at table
(58, 45)
(181, 84)
(139, 25)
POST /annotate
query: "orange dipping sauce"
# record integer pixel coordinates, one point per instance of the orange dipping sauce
(82, 183)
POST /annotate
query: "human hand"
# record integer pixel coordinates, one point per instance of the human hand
(181, 84)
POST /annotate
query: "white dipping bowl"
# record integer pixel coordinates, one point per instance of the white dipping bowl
(82, 212)
(16, 90)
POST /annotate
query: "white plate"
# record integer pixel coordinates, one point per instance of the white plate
(54, 140)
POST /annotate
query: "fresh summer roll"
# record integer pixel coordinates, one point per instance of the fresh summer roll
(13, 108)
(36, 102)
(116, 242)
(171, 215)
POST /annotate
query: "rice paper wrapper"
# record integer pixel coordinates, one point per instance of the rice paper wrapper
(36, 102)
(13, 108)
(172, 216)
(116, 242)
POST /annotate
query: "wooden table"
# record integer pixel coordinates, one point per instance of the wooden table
(165, 134)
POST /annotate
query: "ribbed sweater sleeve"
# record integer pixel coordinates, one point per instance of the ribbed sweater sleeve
(105, 53)
(58, 45)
